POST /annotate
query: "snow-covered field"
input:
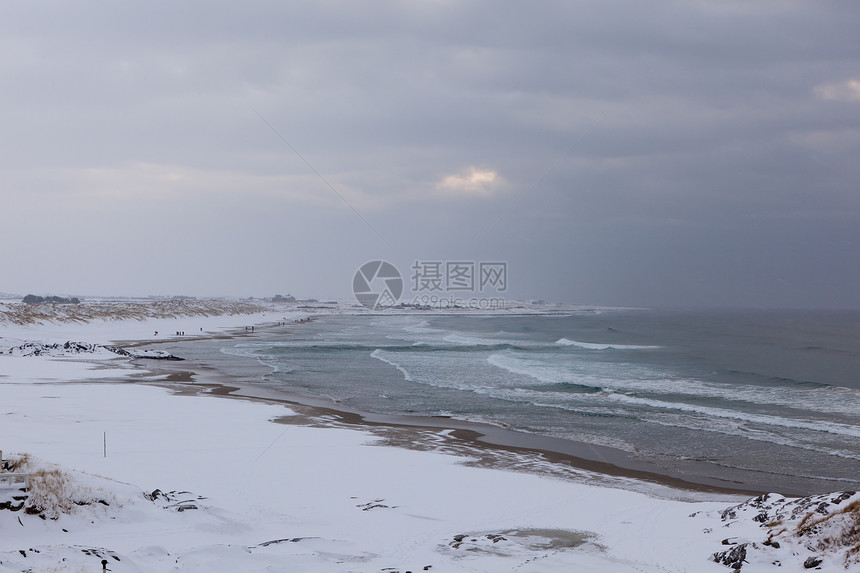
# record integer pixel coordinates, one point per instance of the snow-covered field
(153, 480)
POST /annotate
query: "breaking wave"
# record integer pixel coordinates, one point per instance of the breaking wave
(602, 346)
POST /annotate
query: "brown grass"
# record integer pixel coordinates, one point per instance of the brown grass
(26, 314)
(846, 522)
(16, 463)
(53, 492)
(50, 494)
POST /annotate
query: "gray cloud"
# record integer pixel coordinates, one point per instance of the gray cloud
(664, 153)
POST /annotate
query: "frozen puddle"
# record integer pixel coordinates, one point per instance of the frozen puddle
(520, 542)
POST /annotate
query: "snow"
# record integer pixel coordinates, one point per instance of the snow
(355, 506)
(265, 496)
(105, 330)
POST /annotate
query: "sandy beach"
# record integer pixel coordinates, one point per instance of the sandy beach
(174, 466)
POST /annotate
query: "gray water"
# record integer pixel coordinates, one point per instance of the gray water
(775, 394)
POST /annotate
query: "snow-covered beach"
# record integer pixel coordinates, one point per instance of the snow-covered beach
(153, 475)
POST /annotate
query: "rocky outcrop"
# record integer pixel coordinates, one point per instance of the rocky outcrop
(70, 348)
(44, 349)
(734, 557)
(806, 531)
(150, 354)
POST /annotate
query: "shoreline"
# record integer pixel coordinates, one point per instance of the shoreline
(493, 445)
(167, 477)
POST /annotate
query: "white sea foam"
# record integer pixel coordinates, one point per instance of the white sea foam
(602, 346)
(422, 327)
(243, 350)
(743, 431)
(380, 354)
(634, 378)
(419, 334)
(467, 340)
(549, 369)
(716, 420)
(813, 425)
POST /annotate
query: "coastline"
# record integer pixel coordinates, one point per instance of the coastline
(495, 446)
(166, 475)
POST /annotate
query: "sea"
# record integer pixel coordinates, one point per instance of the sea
(769, 399)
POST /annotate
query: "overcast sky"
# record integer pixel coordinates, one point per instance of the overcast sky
(661, 153)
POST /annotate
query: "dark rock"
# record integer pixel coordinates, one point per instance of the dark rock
(285, 540)
(120, 351)
(811, 562)
(842, 497)
(8, 505)
(729, 513)
(149, 354)
(734, 557)
(39, 349)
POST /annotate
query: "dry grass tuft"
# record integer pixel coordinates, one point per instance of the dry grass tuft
(50, 494)
(16, 463)
(837, 531)
(53, 492)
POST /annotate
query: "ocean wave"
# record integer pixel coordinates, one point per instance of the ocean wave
(602, 346)
(626, 379)
(468, 340)
(729, 423)
(378, 354)
(238, 350)
(765, 419)
(769, 379)
(741, 431)
(418, 347)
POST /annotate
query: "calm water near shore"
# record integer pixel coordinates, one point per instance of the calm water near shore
(752, 396)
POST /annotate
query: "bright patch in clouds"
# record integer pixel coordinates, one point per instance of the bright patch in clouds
(843, 91)
(474, 182)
